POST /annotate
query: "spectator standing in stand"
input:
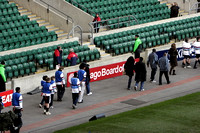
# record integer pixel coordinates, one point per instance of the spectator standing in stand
(174, 10)
(197, 52)
(173, 58)
(140, 76)
(137, 46)
(60, 83)
(153, 62)
(58, 57)
(186, 54)
(72, 57)
(96, 23)
(129, 68)
(163, 63)
(2, 77)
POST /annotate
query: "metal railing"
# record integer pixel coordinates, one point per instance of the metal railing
(107, 25)
(73, 31)
(82, 7)
(68, 17)
(195, 8)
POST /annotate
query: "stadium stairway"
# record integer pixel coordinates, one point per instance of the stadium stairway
(102, 52)
(60, 33)
(182, 12)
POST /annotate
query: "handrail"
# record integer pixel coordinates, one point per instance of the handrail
(68, 17)
(88, 10)
(72, 32)
(91, 24)
(194, 7)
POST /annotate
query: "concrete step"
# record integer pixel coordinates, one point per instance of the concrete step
(105, 55)
(86, 43)
(44, 24)
(32, 16)
(10, 2)
(35, 18)
(62, 35)
(50, 26)
(20, 7)
(62, 38)
(41, 70)
(40, 21)
(184, 13)
(181, 11)
(59, 31)
(53, 29)
(92, 47)
(23, 10)
(163, 2)
(26, 13)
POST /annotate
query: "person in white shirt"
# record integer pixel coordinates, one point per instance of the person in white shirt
(186, 54)
(197, 52)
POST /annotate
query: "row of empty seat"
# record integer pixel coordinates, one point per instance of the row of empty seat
(18, 31)
(122, 42)
(143, 10)
(27, 62)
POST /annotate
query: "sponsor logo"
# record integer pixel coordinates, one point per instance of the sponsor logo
(102, 72)
(106, 72)
(7, 97)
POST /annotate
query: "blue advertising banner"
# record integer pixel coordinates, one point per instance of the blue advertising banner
(179, 57)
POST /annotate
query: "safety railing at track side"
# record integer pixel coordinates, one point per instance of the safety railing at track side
(82, 7)
(106, 25)
(68, 17)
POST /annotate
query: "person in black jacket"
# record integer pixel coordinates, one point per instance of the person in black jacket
(87, 83)
(129, 67)
(140, 70)
(174, 10)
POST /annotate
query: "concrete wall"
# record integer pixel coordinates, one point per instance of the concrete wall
(80, 17)
(29, 83)
(56, 18)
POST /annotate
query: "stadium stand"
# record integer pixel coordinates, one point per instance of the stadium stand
(18, 31)
(151, 36)
(26, 62)
(143, 10)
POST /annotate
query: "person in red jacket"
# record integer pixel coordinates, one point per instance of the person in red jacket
(97, 24)
(58, 56)
(72, 57)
